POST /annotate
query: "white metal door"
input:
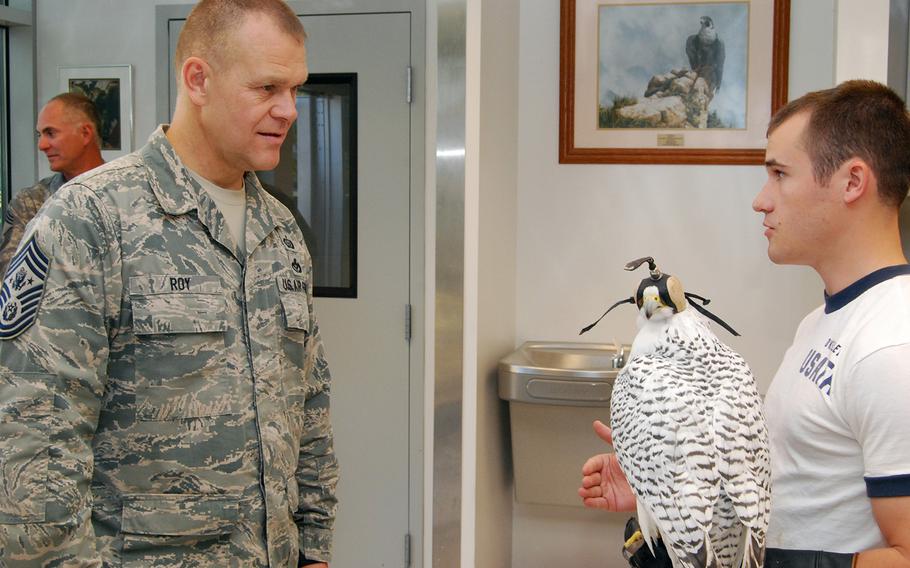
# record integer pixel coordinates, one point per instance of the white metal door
(364, 336)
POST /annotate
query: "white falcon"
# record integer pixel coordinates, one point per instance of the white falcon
(690, 434)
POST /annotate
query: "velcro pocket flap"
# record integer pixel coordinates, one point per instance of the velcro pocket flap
(177, 515)
(177, 303)
(294, 303)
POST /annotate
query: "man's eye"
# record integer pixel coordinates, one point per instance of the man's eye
(268, 88)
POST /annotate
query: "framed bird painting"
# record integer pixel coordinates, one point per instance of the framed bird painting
(674, 82)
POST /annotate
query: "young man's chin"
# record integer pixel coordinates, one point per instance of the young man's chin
(781, 259)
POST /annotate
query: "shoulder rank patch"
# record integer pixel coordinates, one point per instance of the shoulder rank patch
(22, 289)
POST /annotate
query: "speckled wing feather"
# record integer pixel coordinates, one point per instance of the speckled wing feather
(664, 446)
(742, 444)
(690, 436)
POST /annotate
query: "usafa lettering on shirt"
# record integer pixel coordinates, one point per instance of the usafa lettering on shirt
(818, 365)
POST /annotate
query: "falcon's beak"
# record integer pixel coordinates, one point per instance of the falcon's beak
(651, 303)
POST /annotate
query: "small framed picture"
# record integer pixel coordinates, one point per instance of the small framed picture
(670, 81)
(110, 87)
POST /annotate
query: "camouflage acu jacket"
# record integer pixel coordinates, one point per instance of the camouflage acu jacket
(169, 403)
(20, 210)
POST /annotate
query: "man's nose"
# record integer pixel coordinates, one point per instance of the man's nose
(761, 203)
(43, 143)
(286, 107)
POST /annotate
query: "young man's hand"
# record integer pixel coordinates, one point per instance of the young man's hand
(603, 484)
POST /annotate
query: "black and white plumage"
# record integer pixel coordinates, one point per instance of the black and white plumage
(689, 432)
(706, 53)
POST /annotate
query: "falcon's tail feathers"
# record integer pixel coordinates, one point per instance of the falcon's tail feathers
(648, 526)
(703, 557)
(753, 550)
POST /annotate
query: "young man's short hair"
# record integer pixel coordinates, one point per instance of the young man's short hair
(861, 119)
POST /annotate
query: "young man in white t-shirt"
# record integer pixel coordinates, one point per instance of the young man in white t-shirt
(838, 409)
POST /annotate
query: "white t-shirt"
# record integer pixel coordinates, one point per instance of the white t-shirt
(838, 416)
(232, 204)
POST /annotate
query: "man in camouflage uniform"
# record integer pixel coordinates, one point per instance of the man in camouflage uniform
(164, 395)
(68, 127)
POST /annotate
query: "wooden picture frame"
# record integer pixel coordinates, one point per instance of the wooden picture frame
(595, 128)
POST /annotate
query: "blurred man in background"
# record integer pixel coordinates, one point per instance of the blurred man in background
(67, 128)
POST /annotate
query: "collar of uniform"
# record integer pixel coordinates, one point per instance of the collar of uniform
(176, 190)
(837, 301)
(53, 183)
(178, 193)
(260, 212)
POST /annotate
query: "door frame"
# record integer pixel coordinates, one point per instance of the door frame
(416, 9)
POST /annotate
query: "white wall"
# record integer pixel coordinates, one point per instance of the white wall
(496, 216)
(579, 224)
(109, 32)
(862, 38)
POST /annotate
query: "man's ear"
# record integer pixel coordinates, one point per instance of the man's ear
(857, 179)
(195, 74)
(85, 131)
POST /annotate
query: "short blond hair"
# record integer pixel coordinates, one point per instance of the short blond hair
(80, 107)
(205, 33)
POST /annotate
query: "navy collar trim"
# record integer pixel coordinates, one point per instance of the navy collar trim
(853, 291)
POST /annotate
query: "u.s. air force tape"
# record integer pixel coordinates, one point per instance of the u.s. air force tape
(22, 289)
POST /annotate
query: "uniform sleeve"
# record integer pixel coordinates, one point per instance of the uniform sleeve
(52, 378)
(876, 406)
(317, 468)
(18, 213)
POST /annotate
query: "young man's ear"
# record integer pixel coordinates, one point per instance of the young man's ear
(195, 73)
(857, 178)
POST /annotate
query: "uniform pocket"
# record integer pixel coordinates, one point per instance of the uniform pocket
(25, 424)
(292, 291)
(293, 294)
(177, 304)
(181, 357)
(194, 528)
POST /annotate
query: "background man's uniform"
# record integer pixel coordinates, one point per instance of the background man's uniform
(20, 210)
(192, 377)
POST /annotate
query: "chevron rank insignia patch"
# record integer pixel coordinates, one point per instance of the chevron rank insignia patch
(22, 289)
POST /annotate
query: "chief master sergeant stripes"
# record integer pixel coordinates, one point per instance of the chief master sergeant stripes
(21, 292)
(168, 402)
(20, 210)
